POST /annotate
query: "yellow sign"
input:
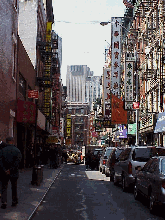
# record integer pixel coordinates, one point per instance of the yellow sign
(68, 115)
(68, 123)
(52, 140)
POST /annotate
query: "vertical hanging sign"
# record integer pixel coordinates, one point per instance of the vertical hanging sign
(116, 55)
(129, 70)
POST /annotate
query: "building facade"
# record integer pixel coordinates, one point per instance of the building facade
(8, 67)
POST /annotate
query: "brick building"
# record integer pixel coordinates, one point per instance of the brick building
(8, 67)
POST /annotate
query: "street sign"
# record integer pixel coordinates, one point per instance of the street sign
(33, 94)
(135, 105)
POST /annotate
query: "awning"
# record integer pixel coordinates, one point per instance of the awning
(160, 124)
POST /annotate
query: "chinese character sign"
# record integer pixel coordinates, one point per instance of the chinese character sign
(129, 70)
(116, 55)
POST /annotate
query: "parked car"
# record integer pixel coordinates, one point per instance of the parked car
(130, 160)
(150, 182)
(113, 158)
(104, 157)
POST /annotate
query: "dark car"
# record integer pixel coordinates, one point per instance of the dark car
(150, 182)
(113, 158)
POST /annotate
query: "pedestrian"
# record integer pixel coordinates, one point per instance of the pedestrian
(10, 158)
(2, 145)
(88, 159)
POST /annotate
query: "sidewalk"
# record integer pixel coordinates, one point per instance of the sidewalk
(29, 195)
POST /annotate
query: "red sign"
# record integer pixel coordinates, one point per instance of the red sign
(119, 115)
(33, 94)
(26, 112)
(135, 105)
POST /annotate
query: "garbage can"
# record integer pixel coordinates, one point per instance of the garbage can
(37, 175)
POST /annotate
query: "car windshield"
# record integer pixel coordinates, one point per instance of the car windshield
(141, 154)
(163, 166)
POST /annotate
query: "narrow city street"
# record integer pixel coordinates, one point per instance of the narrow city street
(79, 194)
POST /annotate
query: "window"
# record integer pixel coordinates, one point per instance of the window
(163, 166)
(147, 165)
(125, 154)
(22, 85)
(15, 4)
(154, 167)
(141, 154)
(14, 70)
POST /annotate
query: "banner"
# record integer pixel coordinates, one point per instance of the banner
(26, 112)
(128, 84)
(116, 24)
(119, 115)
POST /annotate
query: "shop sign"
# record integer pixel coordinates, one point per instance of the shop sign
(33, 94)
(135, 105)
(128, 84)
(26, 112)
(122, 131)
(116, 23)
(132, 129)
(52, 140)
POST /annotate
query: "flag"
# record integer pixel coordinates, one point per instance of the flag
(128, 4)
(118, 114)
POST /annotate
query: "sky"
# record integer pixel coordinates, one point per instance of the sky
(83, 38)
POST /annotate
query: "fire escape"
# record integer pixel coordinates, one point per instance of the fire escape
(56, 96)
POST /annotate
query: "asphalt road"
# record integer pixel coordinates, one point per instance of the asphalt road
(78, 194)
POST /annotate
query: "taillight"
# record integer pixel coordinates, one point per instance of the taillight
(163, 185)
(104, 162)
(130, 168)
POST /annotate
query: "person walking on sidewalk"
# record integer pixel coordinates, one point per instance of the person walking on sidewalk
(10, 158)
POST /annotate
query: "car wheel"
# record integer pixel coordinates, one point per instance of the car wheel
(136, 193)
(152, 203)
(123, 183)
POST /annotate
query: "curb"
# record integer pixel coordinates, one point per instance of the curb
(40, 202)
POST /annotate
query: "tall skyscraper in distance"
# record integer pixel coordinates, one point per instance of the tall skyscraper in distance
(82, 86)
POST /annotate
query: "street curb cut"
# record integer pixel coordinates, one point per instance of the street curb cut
(34, 211)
